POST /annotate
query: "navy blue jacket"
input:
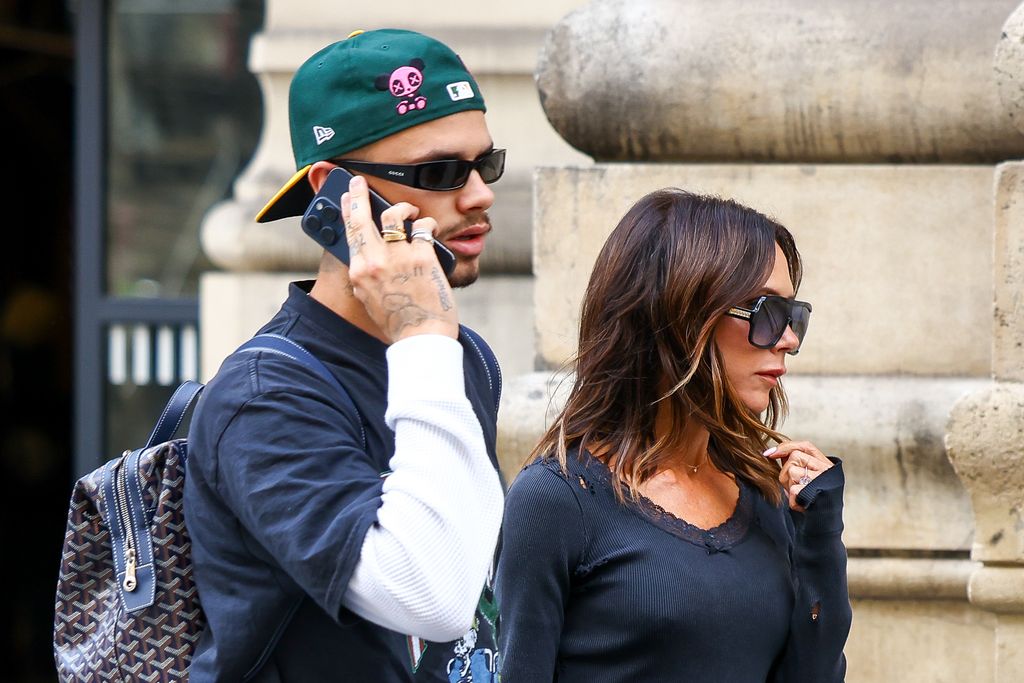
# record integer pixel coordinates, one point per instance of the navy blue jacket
(279, 495)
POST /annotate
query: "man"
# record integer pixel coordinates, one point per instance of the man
(329, 545)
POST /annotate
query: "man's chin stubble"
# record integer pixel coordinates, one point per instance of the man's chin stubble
(458, 280)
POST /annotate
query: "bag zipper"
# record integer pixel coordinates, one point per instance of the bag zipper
(124, 514)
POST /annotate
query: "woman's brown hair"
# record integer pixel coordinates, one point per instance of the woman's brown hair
(672, 267)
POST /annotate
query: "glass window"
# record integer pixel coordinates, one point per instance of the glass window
(184, 117)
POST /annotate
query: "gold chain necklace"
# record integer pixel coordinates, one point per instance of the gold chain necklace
(694, 468)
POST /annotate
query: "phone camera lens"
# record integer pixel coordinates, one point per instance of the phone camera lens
(328, 235)
(311, 224)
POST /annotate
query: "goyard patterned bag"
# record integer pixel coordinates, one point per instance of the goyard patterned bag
(127, 606)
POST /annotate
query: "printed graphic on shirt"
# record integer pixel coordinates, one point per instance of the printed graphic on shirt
(404, 82)
(416, 649)
(470, 664)
(488, 606)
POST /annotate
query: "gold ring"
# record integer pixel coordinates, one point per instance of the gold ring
(393, 235)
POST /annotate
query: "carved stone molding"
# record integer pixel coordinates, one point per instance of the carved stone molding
(800, 80)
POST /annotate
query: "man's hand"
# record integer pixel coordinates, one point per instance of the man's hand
(400, 283)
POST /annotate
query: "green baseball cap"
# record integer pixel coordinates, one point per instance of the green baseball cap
(364, 88)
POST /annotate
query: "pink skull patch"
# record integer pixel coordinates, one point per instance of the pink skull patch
(403, 83)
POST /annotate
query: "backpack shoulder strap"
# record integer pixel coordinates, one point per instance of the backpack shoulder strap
(490, 362)
(174, 412)
(281, 345)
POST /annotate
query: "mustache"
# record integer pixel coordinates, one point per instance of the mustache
(475, 218)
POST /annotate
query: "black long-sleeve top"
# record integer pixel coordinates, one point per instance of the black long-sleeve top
(592, 590)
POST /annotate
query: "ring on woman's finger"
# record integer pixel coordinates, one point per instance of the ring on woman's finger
(424, 235)
(805, 479)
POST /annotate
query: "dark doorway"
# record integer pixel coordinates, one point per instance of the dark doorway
(36, 84)
(68, 70)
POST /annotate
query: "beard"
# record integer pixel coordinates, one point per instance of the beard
(467, 268)
(464, 273)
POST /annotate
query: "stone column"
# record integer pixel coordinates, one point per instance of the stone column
(499, 44)
(986, 431)
(873, 131)
(986, 446)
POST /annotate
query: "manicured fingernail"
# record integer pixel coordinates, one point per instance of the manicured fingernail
(769, 451)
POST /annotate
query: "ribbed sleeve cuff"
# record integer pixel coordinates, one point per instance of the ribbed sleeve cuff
(823, 501)
(425, 366)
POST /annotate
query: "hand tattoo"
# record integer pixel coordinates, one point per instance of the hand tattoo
(402, 312)
(442, 289)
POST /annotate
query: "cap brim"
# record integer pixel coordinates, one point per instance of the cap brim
(291, 200)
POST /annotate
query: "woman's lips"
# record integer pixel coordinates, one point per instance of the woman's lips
(771, 376)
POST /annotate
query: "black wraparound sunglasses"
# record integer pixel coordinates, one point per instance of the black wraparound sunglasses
(441, 175)
(769, 316)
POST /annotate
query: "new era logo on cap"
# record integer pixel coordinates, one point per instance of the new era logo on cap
(322, 134)
(460, 91)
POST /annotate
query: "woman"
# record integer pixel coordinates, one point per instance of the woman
(651, 539)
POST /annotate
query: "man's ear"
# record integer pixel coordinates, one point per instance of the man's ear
(317, 174)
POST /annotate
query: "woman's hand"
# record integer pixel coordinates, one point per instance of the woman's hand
(400, 282)
(802, 462)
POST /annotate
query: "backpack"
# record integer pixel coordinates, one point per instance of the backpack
(127, 607)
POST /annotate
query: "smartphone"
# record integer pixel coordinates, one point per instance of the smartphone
(323, 222)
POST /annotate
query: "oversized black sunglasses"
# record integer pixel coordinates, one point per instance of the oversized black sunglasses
(769, 316)
(441, 175)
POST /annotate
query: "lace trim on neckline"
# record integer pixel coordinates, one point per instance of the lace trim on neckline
(716, 539)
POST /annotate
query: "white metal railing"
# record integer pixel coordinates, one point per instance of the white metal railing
(144, 354)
